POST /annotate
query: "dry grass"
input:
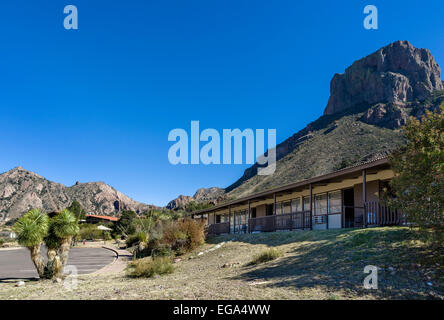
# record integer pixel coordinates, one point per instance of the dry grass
(314, 265)
(147, 267)
(267, 255)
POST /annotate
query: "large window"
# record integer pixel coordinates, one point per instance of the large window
(334, 202)
(320, 204)
(296, 205)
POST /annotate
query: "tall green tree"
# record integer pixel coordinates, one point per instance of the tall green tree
(418, 185)
(77, 209)
(124, 226)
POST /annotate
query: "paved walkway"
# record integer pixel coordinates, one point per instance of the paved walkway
(121, 261)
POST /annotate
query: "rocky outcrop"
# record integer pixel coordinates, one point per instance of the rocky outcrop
(213, 194)
(21, 190)
(395, 74)
(207, 194)
(180, 202)
(388, 115)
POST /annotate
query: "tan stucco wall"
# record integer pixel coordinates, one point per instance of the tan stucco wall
(372, 194)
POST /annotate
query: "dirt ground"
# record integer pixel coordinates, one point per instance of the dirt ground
(315, 265)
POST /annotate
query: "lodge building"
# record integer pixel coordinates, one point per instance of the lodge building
(350, 197)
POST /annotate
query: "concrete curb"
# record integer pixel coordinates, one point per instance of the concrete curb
(115, 258)
(119, 264)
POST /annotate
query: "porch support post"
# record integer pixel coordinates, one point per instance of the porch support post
(342, 210)
(311, 207)
(274, 206)
(249, 216)
(364, 197)
(274, 211)
(229, 219)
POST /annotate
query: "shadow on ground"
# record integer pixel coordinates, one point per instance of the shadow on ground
(334, 260)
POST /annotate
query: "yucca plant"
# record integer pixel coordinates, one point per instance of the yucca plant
(63, 227)
(31, 230)
(56, 232)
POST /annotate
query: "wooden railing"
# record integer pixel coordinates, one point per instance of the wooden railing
(288, 221)
(219, 228)
(376, 214)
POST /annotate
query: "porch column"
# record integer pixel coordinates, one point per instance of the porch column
(229, 219)
(364, 197)
(311, 207)
(249, 216)
(274, 206)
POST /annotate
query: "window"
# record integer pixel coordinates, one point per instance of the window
(279, 208)
(287, 207)
(306, 202)
(334, 202)
(320, 204)
(296, 205)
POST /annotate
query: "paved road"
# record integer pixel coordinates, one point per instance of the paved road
(17, 264)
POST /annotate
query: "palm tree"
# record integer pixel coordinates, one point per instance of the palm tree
(30, 230)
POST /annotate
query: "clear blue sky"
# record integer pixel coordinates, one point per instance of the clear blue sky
(97, 104)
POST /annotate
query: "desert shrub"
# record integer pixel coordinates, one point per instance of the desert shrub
(267, 255)
(184, 235)
(161, 250)
(107, 235)
(89, 232)
(146, 268)
(136, 238)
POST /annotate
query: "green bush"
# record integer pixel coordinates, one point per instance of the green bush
(147, 267)
(267, 255)
(136, 238)
(89, 232)
(161, 250)
(2, 242)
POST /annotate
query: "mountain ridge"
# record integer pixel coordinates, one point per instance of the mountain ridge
(21, 190)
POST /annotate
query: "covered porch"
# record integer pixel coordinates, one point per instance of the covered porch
(343, 199)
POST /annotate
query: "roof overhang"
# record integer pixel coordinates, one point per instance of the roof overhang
(322, 179)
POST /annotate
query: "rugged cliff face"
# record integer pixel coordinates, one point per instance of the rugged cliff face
(395, 74)
(21, 190)
(367, 106)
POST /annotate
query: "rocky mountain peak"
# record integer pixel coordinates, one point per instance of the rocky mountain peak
(394, 74)
(21, 190)
(201, 195)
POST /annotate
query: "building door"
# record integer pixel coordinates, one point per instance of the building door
(349, 210)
